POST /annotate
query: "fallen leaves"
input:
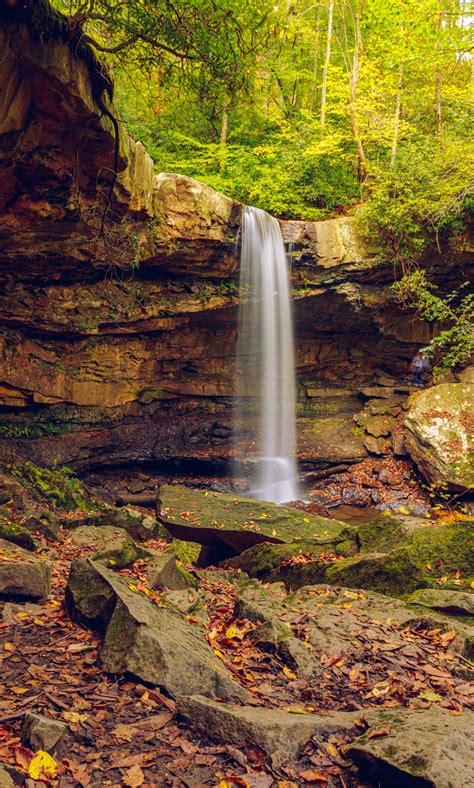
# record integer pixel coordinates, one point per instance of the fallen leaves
(375, 734)
(42, 766)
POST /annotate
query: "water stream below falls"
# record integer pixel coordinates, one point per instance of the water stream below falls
(265, 387)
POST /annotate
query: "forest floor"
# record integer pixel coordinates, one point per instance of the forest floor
(123, 733)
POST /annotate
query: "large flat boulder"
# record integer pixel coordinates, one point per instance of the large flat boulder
(153, 643)
(233, 523)
(22, 574)
(280, 734)
(421, 748)
(439, 434)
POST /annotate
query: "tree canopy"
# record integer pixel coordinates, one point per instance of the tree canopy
(303, 108)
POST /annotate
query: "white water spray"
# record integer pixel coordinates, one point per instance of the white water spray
(265, 360)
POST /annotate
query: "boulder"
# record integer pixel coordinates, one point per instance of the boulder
(42, 733)
(394, 559)
(439, 434)
(114, 547)
(453, 603)
(211, 518)
(138, 525)
(44, 523)
(153, 643)
(280, 734)
(164, 572)
(17, 534)
(11, 610)
(422, 748)
(22, 574)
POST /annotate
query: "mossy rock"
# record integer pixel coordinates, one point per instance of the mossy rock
(200, 509)
(17, 535)
(426, 555)
(429, 553)
(381, 534)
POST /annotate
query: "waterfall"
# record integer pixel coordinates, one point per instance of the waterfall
(265, 415)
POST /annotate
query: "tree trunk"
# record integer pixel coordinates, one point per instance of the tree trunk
(354, 78)
(438, 82)
(314, 81)
(326, 64)
(223, 138)
(396, 119)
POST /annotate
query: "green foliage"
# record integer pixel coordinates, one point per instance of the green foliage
(454, 312)
(230, 92)
(30, 430)
(56, 484)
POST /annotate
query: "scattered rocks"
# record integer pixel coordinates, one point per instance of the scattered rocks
(356, 496)
(22, 574)
(421, 748)
(280, 734)
(42, 733)
(153, 643)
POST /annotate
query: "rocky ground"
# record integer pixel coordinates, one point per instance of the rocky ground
(130, 658)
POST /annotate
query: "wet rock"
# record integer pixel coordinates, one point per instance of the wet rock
(42, 733)
(439, 434)
(164, 572)
(422, 748)
(453, 603)
(356, 496)
(280, 734)
(153, 643)
(22, 574)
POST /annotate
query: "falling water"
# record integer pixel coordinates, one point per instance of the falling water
(265, 361)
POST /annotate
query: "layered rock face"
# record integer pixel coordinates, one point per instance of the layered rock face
(117, 331)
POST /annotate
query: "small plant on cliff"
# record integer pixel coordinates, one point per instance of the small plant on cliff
(454, 342)
(56, 484)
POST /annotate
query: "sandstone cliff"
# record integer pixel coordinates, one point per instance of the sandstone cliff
(117, 330)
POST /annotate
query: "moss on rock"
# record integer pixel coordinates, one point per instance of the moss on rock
(18, 535)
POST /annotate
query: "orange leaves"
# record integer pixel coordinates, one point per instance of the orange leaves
(313, 777)
(379, 732)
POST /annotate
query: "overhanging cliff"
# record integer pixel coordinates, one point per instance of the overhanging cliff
(117, 329)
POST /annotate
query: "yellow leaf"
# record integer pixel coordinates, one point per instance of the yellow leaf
(74, 716)
(42, 762)
(9, 647)
(331, 750)
(305, 519)
(295, 710)
(218, 653)
(289, 674)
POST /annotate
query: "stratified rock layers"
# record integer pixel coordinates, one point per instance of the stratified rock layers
(119, 345)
